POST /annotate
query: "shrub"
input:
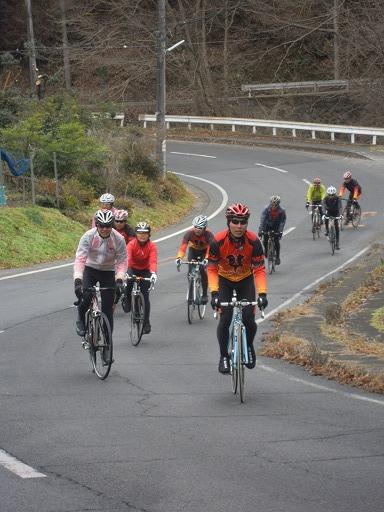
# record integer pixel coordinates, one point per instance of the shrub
(46, 201)
(75, 195)
(171, 189)
(136, 158)
(142, 189)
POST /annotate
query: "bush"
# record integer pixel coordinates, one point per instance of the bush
(75, 195)
(136, 158)
(142, 189)
(171, 189)
(46, 201)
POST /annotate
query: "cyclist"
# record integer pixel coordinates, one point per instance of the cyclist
(273, 218)
(106, 202)
(197, 240)
(122, 226)
(354, 188)
(236, 262)
(332, 208)
(315, 195)
(142, 261)
(101, 257)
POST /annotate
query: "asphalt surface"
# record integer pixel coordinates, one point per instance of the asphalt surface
(164, 432)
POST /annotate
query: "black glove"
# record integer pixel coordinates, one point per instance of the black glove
(215, 300)
(262, 301)
(307, 205)
(280, 235)
(118, 289)
(78, 288)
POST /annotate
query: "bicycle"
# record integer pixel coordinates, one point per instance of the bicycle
(195, 289)
(332, 231)
(98, 337)
(316, 220)
(271, 251)
(352, 212)
(137, 307)
(237, 343)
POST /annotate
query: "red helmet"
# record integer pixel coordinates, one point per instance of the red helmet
(317, 181)
(347, 175)
(237, 210)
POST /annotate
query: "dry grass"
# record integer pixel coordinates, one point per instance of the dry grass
(355, 343)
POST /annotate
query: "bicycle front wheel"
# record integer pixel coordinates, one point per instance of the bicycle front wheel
(271, 256)
(191, 301)
(356, 215)
(101, 346)
(233, 362)
(241, 333)
(137, 319)
(199, 293)
(332, 238)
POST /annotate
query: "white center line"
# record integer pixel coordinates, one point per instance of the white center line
(191, 154)
(270, 167)
(288, 230)
(19, 468)
(306, 181)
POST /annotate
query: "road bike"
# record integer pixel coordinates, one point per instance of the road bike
(271, 251)
(316, 220)
(195, 289)
(98, 336)
(332, 231)
(137, 315)
(237, 343)
(352, 213)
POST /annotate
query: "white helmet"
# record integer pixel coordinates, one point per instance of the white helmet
(331, 191)
(104, 218)
(275, 200)
(121, 215)
(107, 198)
(200, 221)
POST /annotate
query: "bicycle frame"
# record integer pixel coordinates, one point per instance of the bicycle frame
(316, 220)
(193, 293)
(332, 230)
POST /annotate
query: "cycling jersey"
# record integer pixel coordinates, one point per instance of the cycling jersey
(236, 259)
(353, 187)
(107, 254)
(315, 194)
(332, 206)
(199, 243)
(142, 256)
(272, 218)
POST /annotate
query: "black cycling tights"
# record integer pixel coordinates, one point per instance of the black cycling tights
(144, 287)
(245, 289)
(195, 254)
(106, 278)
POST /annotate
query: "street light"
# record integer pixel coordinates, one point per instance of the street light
(161, 143)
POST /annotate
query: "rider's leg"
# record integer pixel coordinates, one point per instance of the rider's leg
(107, 279)
(337, 229)
(326, 222)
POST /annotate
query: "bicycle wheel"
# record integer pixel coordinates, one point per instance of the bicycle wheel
(233, 363)
(190, 302)
(344, 219)
(332, 238)
(356, 215)
(137, 318)
(199, 293)
(241, 363)
(101, 346)
(314, 225)
(271, 256)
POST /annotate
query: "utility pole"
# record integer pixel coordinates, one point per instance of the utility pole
(161, 134)
(67, 68)
(336, 59)
(31, 48)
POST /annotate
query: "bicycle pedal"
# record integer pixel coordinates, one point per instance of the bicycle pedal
(85, 345)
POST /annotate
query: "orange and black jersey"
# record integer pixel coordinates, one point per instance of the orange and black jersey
(199, 243)
(236, 260)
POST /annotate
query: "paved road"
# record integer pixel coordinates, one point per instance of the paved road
(164, 432)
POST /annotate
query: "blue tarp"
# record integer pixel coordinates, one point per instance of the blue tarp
(17, 167)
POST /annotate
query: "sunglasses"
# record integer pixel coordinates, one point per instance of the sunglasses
(122, 221)
(104, 226)
(243, 222)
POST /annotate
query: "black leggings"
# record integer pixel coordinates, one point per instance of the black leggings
(194, 254)
(245, 289)
(106, 278)
(144, 287)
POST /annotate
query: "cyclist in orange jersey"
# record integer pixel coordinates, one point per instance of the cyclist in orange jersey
(236, 261)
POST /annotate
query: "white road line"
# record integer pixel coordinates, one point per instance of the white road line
(289, 230)
(311, 285)
(307, 182)
(270, 167)
(19, 468)
(319, 386)
(191, 154)
(216, 212)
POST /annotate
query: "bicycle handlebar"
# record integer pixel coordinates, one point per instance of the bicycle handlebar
(132, 277)
(193, 262)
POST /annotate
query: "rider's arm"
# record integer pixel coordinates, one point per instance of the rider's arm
(323, 191)
(263, 220)
(213, 262)
(82, 253)
(342, 190)
(258, 267)
(153, 258)
(356, 192)
(121, 257)
(283, 219)
(309, 193)
(209, 238)
(184, 244)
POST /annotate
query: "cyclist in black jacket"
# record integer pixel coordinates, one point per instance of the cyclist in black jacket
(332, 208)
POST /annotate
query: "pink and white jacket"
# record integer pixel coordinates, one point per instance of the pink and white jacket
(101, 253)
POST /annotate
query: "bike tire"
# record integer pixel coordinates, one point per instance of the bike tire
(332, 238)
(234, 369)
(344, 219)
(201, 308)
(314, 227)
(271, 256)
(190, 302)
(356, 215)
(101, 346)
(241, 333)
(137, 319)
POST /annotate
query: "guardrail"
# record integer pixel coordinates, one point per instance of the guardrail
(292, 126)
(282, 86)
